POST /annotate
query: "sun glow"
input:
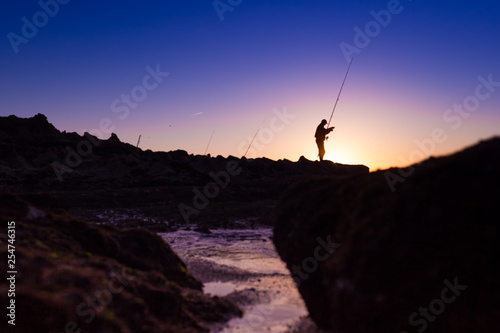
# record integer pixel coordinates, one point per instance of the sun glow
(335, 154)
(340, 156)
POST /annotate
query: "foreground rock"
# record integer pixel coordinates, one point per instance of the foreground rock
(60, 170)
(73, 276)
(424, 257)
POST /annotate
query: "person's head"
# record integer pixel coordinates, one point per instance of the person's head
(323, 122)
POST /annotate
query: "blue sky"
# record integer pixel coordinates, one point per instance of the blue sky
(265, 55)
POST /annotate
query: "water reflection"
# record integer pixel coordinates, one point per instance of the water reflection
(243, 266)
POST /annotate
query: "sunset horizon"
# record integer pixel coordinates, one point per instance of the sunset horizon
(179, 73)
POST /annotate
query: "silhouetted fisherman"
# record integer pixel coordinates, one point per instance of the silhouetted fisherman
(320, 136)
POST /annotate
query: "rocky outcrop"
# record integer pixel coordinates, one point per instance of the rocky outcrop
(38, 156)
(56, 169)
(400, 250)
(73, 276)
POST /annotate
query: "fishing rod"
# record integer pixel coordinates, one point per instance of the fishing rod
(340, 92)
(251, 142)
(210, 140)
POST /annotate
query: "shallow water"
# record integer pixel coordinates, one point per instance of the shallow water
(242, 265)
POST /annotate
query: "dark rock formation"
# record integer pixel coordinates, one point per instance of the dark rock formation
(421, 257)
(72, 276)
(65, 170)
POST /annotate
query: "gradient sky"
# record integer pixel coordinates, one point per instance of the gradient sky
(265, 56)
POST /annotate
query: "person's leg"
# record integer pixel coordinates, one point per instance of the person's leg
(321, 149)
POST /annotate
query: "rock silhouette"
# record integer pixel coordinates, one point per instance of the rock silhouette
(110, 174)
(424, 257)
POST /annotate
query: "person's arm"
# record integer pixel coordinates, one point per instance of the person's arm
(330, 129)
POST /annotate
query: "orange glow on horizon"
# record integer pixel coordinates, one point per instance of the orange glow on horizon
(373, 129)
